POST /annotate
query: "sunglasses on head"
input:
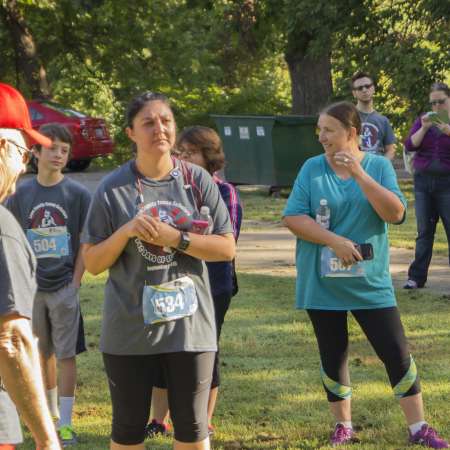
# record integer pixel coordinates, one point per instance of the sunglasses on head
(24, 152)
(441, 101)
(363, 86)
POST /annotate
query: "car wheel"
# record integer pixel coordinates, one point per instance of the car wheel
(78, 165)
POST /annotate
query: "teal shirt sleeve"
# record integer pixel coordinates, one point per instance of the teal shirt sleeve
(389, 181)
(299, 201)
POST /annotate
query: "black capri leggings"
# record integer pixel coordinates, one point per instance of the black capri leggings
(131, 378)
(383, 329)
(221, 305)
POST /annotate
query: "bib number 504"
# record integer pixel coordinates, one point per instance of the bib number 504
(44, 245)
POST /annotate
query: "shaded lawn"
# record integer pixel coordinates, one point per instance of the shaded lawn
(271, 396)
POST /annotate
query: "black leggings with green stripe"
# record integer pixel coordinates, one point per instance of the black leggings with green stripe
(383, 329)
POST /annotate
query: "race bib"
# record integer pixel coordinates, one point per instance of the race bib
(52, 242)
(332, 266)
(169, 301)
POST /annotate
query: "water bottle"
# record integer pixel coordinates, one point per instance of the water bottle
(206, 216)
(323, 214)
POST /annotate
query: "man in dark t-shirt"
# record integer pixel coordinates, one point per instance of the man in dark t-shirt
(376, 131)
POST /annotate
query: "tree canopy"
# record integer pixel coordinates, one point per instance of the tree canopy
(224, 56)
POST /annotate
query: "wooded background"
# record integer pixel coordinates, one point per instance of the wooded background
(225, 56)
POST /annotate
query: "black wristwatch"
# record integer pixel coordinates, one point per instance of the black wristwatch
(184, 241)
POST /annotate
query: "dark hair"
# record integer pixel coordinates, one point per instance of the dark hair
(440, 87)
(346, 113)
(206, 141)
(358, 75)
(140, 101)
(56, 131)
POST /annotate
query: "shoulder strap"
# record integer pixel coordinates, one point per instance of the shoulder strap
(188, 179)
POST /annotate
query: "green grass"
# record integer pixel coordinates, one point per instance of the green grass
(271, 396)
(261, 210)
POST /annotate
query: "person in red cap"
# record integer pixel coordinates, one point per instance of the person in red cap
(20, 372)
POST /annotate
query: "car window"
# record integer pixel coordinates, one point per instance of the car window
(35, 115)
(63, 110)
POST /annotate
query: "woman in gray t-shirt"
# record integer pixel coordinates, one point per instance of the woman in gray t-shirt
(158, 310)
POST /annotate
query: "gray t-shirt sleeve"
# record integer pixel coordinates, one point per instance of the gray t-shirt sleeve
(98, 224)
(389, 136)
(85, 203)
(18, 268)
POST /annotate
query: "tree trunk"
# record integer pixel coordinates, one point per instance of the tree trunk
(311, 85)
(27, 58)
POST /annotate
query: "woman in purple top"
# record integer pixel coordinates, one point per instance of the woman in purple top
(430, 140)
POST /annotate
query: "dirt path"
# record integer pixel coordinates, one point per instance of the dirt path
(272, 251)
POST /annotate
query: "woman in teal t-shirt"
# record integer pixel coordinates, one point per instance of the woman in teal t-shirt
(362, 196)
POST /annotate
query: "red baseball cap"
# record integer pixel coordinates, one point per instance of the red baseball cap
(14, 114)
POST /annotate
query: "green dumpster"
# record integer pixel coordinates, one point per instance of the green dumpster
(266, 150)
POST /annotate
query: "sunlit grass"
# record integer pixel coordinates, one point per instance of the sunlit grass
(271, 396)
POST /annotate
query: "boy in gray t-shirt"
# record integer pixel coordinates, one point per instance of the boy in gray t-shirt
(51, 210)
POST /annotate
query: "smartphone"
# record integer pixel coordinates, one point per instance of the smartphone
(199, 226)
(366, 251)
(440, 117)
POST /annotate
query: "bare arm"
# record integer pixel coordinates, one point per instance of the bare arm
(213, 247)
(78, 270)
(417, 137)
(389, 151)
(386, 204)
(99, 257)
(307, 229)
(21, 374)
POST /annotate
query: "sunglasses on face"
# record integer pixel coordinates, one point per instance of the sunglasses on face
(441, 101)
(363, 86)
(24, 152)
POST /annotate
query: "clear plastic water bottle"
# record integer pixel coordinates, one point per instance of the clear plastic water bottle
(323, 214)
(206, 216)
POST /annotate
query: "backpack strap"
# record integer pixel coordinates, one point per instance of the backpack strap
(189, 182)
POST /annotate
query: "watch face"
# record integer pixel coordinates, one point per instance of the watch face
(185, 241)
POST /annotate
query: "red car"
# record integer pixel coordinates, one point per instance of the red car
(90, 135)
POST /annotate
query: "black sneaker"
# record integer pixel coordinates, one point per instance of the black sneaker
(155, 427)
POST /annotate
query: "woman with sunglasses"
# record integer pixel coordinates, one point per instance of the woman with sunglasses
(429, 138)
(158, 310)
(19, 360)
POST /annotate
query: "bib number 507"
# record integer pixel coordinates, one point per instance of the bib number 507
(337, 265)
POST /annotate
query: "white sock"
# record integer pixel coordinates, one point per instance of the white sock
(346, 423)
(415, 427)
(65, 408)
(52, 400)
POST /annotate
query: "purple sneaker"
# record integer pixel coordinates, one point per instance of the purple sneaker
(427, 437)
(341, 435)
